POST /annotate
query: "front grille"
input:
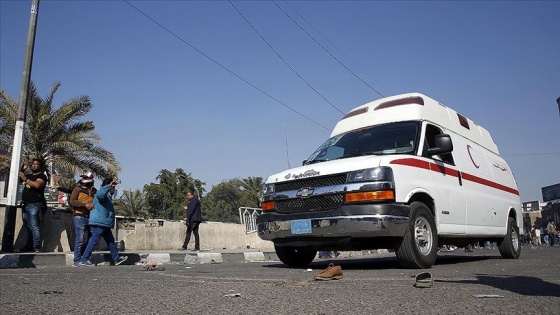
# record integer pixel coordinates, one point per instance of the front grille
(313, 182)
(309, 204)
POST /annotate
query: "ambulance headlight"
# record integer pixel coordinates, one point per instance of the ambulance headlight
(268, 188)
(376, 174)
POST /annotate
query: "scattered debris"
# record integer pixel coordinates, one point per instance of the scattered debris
(309, 269)
(152, 266)
(52, 292)
(423, 280)
(488, 296)
(233, 295)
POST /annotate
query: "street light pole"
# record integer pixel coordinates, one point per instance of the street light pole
(11, 207)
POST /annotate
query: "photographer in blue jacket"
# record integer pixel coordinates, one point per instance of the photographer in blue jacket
(101, 221)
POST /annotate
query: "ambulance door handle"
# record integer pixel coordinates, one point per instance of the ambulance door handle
(460, 179)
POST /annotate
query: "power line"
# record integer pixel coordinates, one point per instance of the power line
(342, 52)
(326, 50)
(222, 66)
(283, 60)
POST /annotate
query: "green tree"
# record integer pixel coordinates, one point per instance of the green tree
(166, 199)
(252, 184)
(131, 204)
(56, 135)
(224, 200)
(252, 190)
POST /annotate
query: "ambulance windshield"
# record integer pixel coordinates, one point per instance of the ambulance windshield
(393, 138)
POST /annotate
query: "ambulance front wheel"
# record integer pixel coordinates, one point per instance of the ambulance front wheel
(418, 248)
(510, 246)
(295, 256)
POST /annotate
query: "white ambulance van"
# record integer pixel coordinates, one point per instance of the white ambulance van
(405, 173)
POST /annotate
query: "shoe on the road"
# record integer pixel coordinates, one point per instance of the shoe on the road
(331, 273)
(121, 260)
(182, 248)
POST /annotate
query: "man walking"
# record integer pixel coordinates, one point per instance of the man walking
(551, 229)
(193, 218)
(34, 202)
(102, 220)
(81, 201)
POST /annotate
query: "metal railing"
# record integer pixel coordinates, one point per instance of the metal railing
(248, 217)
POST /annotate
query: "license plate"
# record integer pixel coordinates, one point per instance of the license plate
(301, 226)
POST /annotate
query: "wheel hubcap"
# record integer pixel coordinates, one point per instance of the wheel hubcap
(514, 239)
(423, 235)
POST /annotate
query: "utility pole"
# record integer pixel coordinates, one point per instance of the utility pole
(11, 206)
(558, 102)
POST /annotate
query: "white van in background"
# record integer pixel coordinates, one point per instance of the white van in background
(405, 173)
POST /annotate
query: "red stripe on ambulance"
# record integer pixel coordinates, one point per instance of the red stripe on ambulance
(451, 172)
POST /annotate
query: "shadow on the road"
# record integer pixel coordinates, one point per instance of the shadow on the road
(380, 263)
(458, 259)
(517, 284)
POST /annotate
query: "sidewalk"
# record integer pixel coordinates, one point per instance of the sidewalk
(61, 259)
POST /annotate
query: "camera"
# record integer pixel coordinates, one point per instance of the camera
(116, 181)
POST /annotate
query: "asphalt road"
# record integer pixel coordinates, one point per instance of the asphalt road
(373, 284)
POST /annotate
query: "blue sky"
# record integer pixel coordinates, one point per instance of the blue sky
(161, 104)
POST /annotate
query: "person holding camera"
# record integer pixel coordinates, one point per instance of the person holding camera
(81, 201)
(101, 221)
(34, 202)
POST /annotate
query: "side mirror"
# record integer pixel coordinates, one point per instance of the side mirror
(303, 163)
(443, 145)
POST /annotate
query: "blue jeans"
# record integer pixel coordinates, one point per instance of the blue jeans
(80, 230)
(96, 233)
(30, 215)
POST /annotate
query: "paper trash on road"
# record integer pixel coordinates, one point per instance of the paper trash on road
(488, 296)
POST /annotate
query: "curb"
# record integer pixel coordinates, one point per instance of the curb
(41, 260)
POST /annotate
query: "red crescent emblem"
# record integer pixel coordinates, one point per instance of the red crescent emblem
(472, 160)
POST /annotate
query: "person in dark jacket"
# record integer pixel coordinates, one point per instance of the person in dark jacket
(193, 218)
(101, 221)
(34, 202)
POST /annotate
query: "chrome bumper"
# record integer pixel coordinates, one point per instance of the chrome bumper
(354, 226)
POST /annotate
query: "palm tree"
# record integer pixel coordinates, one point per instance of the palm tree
(132, 204)
(55, 134)
(252, 184)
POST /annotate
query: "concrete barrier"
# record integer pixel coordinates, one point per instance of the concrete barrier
(57, 234)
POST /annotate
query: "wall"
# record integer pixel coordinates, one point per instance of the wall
(56, 230)
(57, 234)
(170, 236)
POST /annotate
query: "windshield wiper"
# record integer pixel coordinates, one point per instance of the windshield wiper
(315, 161)
(355, 154)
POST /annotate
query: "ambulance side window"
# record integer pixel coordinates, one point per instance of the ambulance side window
(431, 132)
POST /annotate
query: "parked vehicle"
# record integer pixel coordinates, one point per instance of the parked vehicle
(405, 173)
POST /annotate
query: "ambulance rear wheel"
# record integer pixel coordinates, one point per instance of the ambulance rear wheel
(510, 246)
(418, 248)
(295, 256)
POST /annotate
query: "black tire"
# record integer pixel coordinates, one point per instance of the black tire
(295, 256)
(418, 248)
(510, 245)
